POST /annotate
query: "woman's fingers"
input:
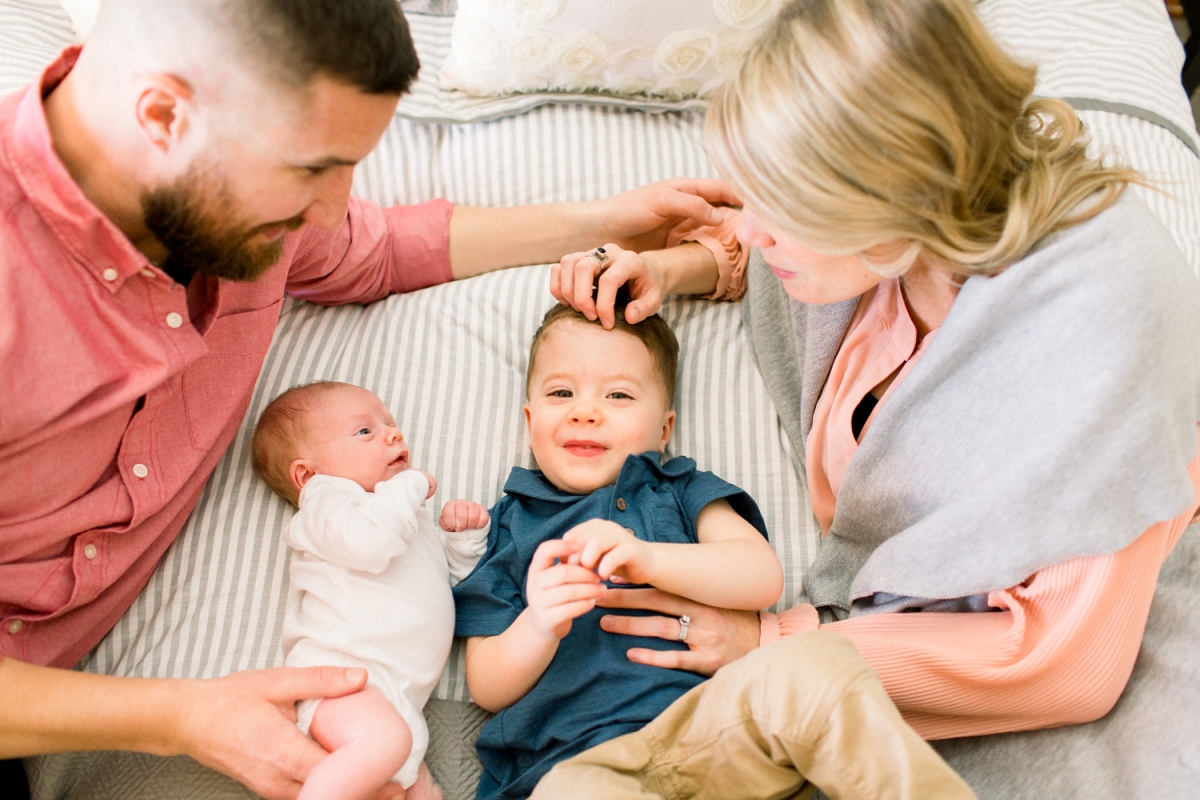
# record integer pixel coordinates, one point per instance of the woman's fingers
(651, 600)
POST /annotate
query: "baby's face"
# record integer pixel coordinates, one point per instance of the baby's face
(351, 434)
(595, 397)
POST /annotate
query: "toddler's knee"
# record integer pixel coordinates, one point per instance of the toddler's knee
(819, 658)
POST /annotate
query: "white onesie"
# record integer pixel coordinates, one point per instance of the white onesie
(370, 587)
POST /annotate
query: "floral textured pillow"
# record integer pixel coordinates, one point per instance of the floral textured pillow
(666, 48)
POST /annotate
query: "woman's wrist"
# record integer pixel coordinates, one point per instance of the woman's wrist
(689, 268)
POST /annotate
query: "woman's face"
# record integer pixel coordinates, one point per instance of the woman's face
(808, 276)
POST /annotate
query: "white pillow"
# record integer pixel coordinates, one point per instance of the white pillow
(665, 48)
(83, 15)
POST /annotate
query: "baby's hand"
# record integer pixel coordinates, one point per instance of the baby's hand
(559, 591)
(463, 515)
(432, 482)
(612, 551)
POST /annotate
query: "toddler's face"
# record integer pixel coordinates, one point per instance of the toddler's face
(351, 434)
(595, 397)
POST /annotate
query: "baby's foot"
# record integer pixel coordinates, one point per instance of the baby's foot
(424, 788)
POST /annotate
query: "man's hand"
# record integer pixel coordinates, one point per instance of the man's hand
(559, 591)
(640, 219)
(463, 515)
(612, 551)
(716, 636)
(244, 725)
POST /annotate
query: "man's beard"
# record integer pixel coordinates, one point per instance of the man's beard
(193, 220)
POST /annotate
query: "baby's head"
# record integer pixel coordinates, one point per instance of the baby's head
(327, 428)
(597, 396)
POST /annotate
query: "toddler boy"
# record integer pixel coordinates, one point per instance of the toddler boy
(601, 511)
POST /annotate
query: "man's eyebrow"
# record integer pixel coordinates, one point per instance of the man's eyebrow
(329, 161)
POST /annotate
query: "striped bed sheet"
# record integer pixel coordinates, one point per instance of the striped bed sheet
(450, 360)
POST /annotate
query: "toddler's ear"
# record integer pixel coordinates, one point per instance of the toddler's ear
(528, 426)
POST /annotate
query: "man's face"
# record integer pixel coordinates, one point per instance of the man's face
(273, 164)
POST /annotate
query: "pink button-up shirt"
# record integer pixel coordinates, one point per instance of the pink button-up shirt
(120, 389)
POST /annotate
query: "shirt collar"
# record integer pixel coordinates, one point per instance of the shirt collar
(534, 484)
(91, 238)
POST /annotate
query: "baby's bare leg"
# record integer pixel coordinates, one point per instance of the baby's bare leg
(368, 741)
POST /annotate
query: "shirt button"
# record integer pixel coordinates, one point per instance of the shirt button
(89, 552)
(174, 320)
(15, 626)
(140, 470)
(621, 505)
(147, 272)
(630, 531)
(109, 274)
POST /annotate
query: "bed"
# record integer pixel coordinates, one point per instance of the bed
(449, 361)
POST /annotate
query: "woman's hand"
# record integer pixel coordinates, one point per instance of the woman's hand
(716, 636)
(571, 283)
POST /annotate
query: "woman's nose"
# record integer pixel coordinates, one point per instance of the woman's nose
(752, 232)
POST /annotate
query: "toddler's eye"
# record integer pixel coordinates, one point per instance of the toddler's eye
(561, 393)
(620, 396)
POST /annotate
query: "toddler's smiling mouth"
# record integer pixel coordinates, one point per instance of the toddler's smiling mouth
(585, 448)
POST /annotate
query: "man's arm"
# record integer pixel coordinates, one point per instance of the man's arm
(485, 239)
(243, 725)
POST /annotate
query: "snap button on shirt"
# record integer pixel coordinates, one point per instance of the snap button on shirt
(89, 552)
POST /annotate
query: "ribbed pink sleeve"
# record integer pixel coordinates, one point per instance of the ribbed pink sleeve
(1059, 652)
(721, 240)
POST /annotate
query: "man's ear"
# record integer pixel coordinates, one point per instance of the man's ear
(667, 429)
(299, 473)
(165, 106)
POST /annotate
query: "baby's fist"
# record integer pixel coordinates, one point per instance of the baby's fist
(463, 515)
(432, 482)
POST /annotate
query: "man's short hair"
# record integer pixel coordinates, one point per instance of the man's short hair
(365, 43)
(281, 433)
(653, 332)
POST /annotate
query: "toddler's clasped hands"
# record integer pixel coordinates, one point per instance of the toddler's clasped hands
(566, 577)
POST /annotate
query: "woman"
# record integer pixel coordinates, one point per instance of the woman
(992, 353)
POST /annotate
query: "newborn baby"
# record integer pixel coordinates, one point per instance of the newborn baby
(370, 580)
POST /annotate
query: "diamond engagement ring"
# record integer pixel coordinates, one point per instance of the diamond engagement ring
(684, 621)
(600, 256)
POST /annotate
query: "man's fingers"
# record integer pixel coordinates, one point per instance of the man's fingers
(292, 683)
(713, 190)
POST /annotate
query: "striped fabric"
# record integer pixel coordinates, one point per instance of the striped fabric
(449, 360)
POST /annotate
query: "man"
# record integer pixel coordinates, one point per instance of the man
(160, 191)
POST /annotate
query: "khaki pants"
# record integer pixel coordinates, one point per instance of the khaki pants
(804, 712)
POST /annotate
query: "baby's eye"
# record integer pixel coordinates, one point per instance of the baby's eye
(561, 393)
(362, 432)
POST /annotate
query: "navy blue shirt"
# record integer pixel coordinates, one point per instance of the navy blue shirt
(590, 692)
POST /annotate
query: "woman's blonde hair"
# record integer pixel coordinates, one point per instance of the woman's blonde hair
(857, 122)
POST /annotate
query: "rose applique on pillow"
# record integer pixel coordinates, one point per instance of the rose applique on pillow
(673, 49)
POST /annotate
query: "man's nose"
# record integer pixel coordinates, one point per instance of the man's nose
(328, 208)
